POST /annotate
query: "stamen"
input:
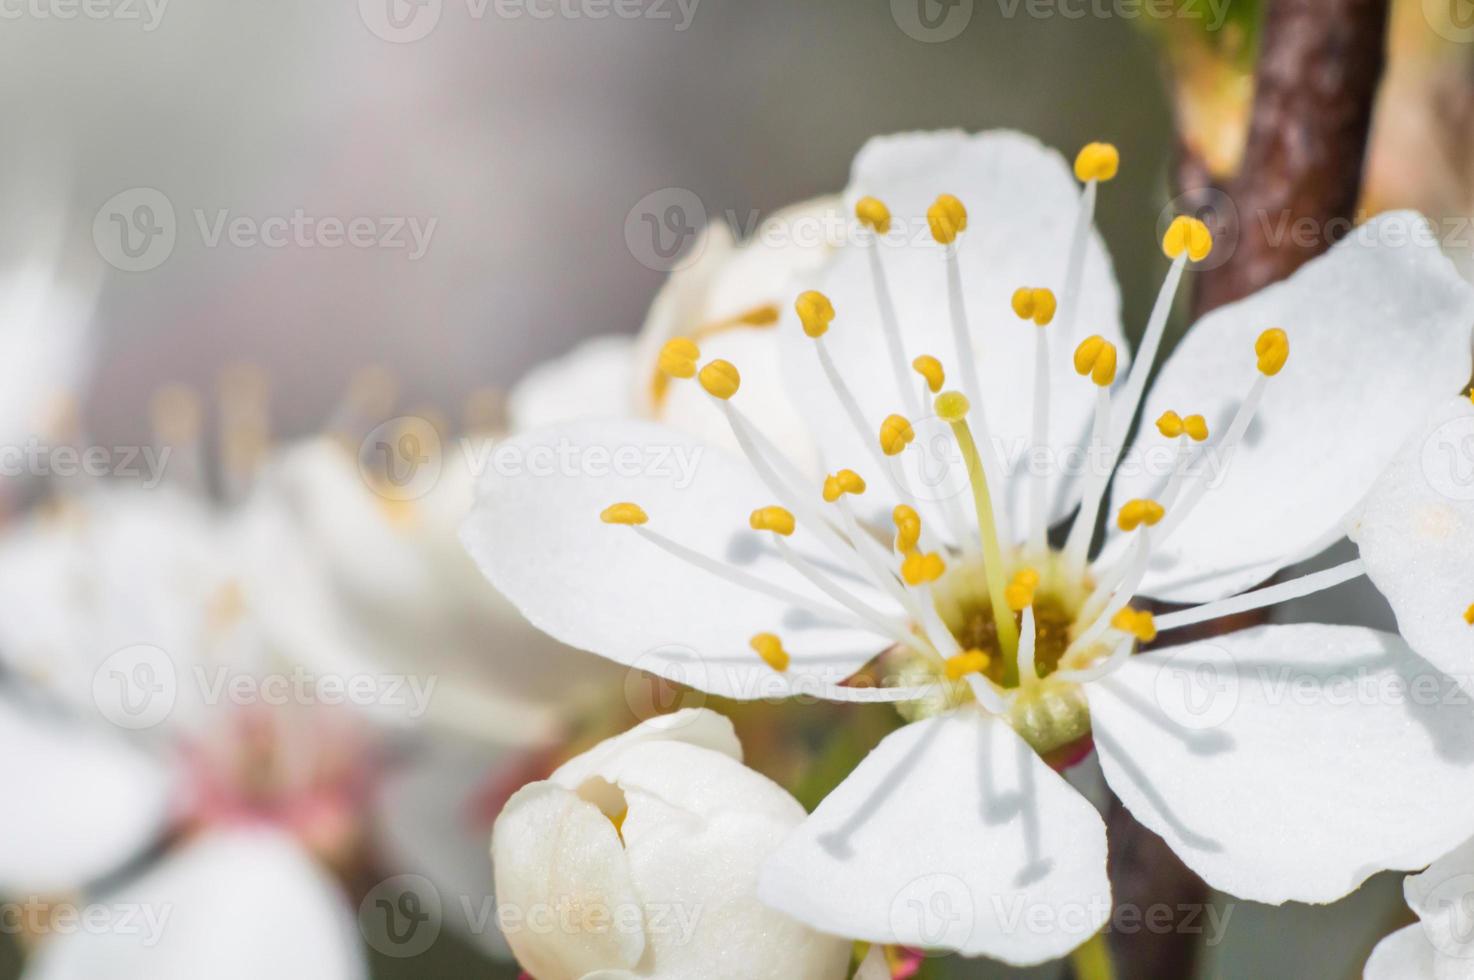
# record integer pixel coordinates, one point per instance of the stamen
(1469, 613)
(1271, 595)
(1020, 591)
(874, 215)
(720, 379)
(1095, 357)
(895, 434)
(770, 648)
(931, 369)
(952, 406)
(1137, 622)
(1038, 305)
(908, 527)
(678, 358)
(1096, 162)
(1272, 350)
(1135, 513)
(1028, 635)
(625, 513)
(1186, 431)
(861, 609)
(920, 569)
(1131, 580)
(836, 485)
(1101, 668)
(779, 520)
(968, 662)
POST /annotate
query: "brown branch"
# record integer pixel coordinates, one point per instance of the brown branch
(1320, 63)
(1315, 85)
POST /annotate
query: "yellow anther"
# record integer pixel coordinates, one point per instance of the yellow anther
(1035, 304)
(895, 434)
(952, 406)
(1135, 513)
(931, 369)
(1188, 235)
(678, 358)
(1020, 591)
(770, 648)
(1096, 357)
(873, 214)
(815, 312)
(947, 218)
(773, 518)
(720, 379)
(918, 569)
(1170, 424)
(1097, 161)
(1469, 615)
(1138, 622)
(969, 662)
(908, 528)
(1273, 348)
(625, 513)
(841, 483)
(1196, 427)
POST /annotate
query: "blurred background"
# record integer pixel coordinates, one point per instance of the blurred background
(493, 159)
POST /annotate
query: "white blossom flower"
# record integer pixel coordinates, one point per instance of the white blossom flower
(640, 857)
(1440, 945)
(930, 355)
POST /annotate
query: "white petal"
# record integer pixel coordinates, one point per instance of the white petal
(1379, 335)
(594, 380)
(1443, 898)
(82, 801)
(536, 534)
(553, 850)
(693, 726)
(1022, 203)
(232, 905)
(1406, 955)
(1416, 533)
(950, 834)
(1290, 763)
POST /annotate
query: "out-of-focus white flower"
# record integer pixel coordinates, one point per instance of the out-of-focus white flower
(641, 857)
(1025, 649)
(729, 298)
(1440, 945)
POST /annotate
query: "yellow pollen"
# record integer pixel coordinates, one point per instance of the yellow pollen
(952, 406)
(947, 218)
(1020, 591)
(908, 527)
(1138, 622)
(918, 569)
(895, 434)
(770, 648)
(815, 312)
(1170, 424)
(931, 369)
(1135, 513)
(841, 483)
(970, 662)
(720, 379)
(1469, 615)
(1096, 357)
(1034, 304)
(1188, 235)
(1273, 348)
(773, 518)
(625, 513)
(1196, 427)
(1097, 161)
(873, 214)
(678, 358)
